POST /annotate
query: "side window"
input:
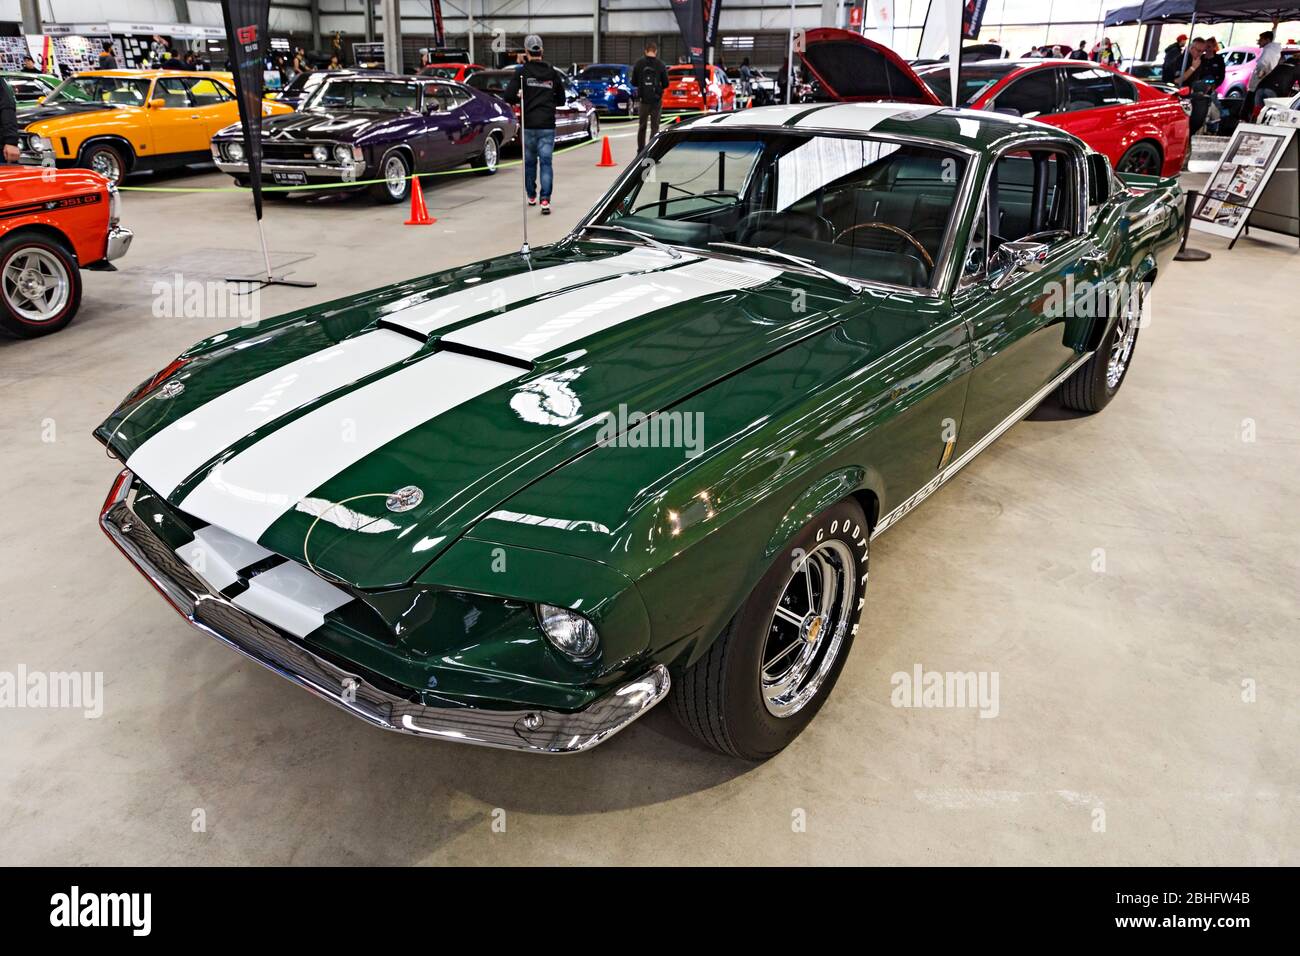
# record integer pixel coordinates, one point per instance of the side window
(173, 92)
(1125, 92)
(1030, 96)
(1088, 90)
(455, 96)
(206, 92)
(1033, 192)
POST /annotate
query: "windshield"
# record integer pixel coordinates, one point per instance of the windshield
(974, 81)
(122, 90)
(600, 74)
(864, 208)
(352, 94)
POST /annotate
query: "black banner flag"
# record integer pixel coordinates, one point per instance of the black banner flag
(690, 20)
(247, 36)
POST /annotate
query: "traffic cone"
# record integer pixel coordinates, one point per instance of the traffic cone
(419, 213)
(606, 155)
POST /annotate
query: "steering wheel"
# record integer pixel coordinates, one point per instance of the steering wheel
(896, 230)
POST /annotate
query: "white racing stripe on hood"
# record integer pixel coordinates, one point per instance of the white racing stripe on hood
(532, 331)
(177, 451)
(246, 494)
(503, 293)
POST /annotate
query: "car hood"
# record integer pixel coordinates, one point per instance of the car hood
(48, 111)
(325, 124)
(850, 67)
(468, 391)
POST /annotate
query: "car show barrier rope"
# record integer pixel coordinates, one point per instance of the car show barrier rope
(371, 182)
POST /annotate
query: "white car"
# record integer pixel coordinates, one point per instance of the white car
(1281, 111)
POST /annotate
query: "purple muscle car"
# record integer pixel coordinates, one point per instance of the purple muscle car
(356, 127)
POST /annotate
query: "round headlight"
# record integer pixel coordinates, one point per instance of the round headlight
(569, 631)
(343, 153)
(320, 154)
(236, 152)
(40, 144)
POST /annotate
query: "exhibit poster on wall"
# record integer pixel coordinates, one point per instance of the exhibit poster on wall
(1241, 179)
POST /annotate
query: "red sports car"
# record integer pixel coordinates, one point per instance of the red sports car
(683, 91)
(1139, 128)
(52, 224)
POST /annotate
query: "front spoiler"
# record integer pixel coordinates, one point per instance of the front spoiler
(539, 731)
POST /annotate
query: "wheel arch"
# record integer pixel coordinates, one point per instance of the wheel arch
(120, 143)
(48, 231)
(852, 481)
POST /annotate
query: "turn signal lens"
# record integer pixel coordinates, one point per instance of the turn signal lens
(569, 631)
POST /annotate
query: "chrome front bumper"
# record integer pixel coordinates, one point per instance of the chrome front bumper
(119, 241)
(312, 171)
(539, 731)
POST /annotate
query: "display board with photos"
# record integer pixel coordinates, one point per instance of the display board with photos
(75, 52)
(1241, 179)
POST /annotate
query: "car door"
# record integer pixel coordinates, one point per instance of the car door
(1021, 319)
(179, 124)
(1099, 108)
(213, 102)
(445, 127)
(468, 141)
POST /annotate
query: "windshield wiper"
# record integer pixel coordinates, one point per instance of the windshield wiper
(643, 236)
(852, 286)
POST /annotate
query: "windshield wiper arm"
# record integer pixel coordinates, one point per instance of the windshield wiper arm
(643, 236)
(852, 286)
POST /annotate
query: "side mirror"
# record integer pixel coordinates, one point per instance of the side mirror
(1099, 179)
(1012, 258)
(157, 104)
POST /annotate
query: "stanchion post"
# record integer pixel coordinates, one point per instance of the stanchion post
(1185, 254)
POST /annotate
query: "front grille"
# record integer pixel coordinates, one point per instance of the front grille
(289, 152)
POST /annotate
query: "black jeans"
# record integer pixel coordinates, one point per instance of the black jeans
(1200, 106)
(649, 113)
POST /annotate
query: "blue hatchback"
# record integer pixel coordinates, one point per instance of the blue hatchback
(609, 87)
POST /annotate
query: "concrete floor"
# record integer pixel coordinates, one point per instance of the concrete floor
(1120, 690)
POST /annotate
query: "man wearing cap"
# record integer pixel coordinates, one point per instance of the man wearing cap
(1173, 62)
(543, 91)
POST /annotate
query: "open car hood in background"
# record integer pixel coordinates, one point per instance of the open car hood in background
(852, 68)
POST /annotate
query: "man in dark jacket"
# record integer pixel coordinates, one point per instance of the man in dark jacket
(1172, 64)
(651, 79)
(107, 61)
(543, 91)
(8, 123)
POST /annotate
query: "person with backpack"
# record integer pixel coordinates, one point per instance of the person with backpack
(542, 89)
(651, 79)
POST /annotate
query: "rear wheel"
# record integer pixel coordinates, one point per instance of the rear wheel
(106, 160)
(766, 676)
(1091, 388)
(395, 171)
(593, 126)
(1144, 157)
(486, 162)
(40, 287)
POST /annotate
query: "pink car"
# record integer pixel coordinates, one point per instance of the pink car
(1240, 61)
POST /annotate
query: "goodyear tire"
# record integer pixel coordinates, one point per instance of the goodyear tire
(769, 672)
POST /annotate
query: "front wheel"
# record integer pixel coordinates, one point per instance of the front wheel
(106, 160)
(766, 676)
(40, 287)
(395, 172)
(1091, 388)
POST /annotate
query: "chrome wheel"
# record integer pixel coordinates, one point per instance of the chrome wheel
(490, 154)
(1121, 349)
(395, 176)
(36, 284)
(107, 164)
(807, 629)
